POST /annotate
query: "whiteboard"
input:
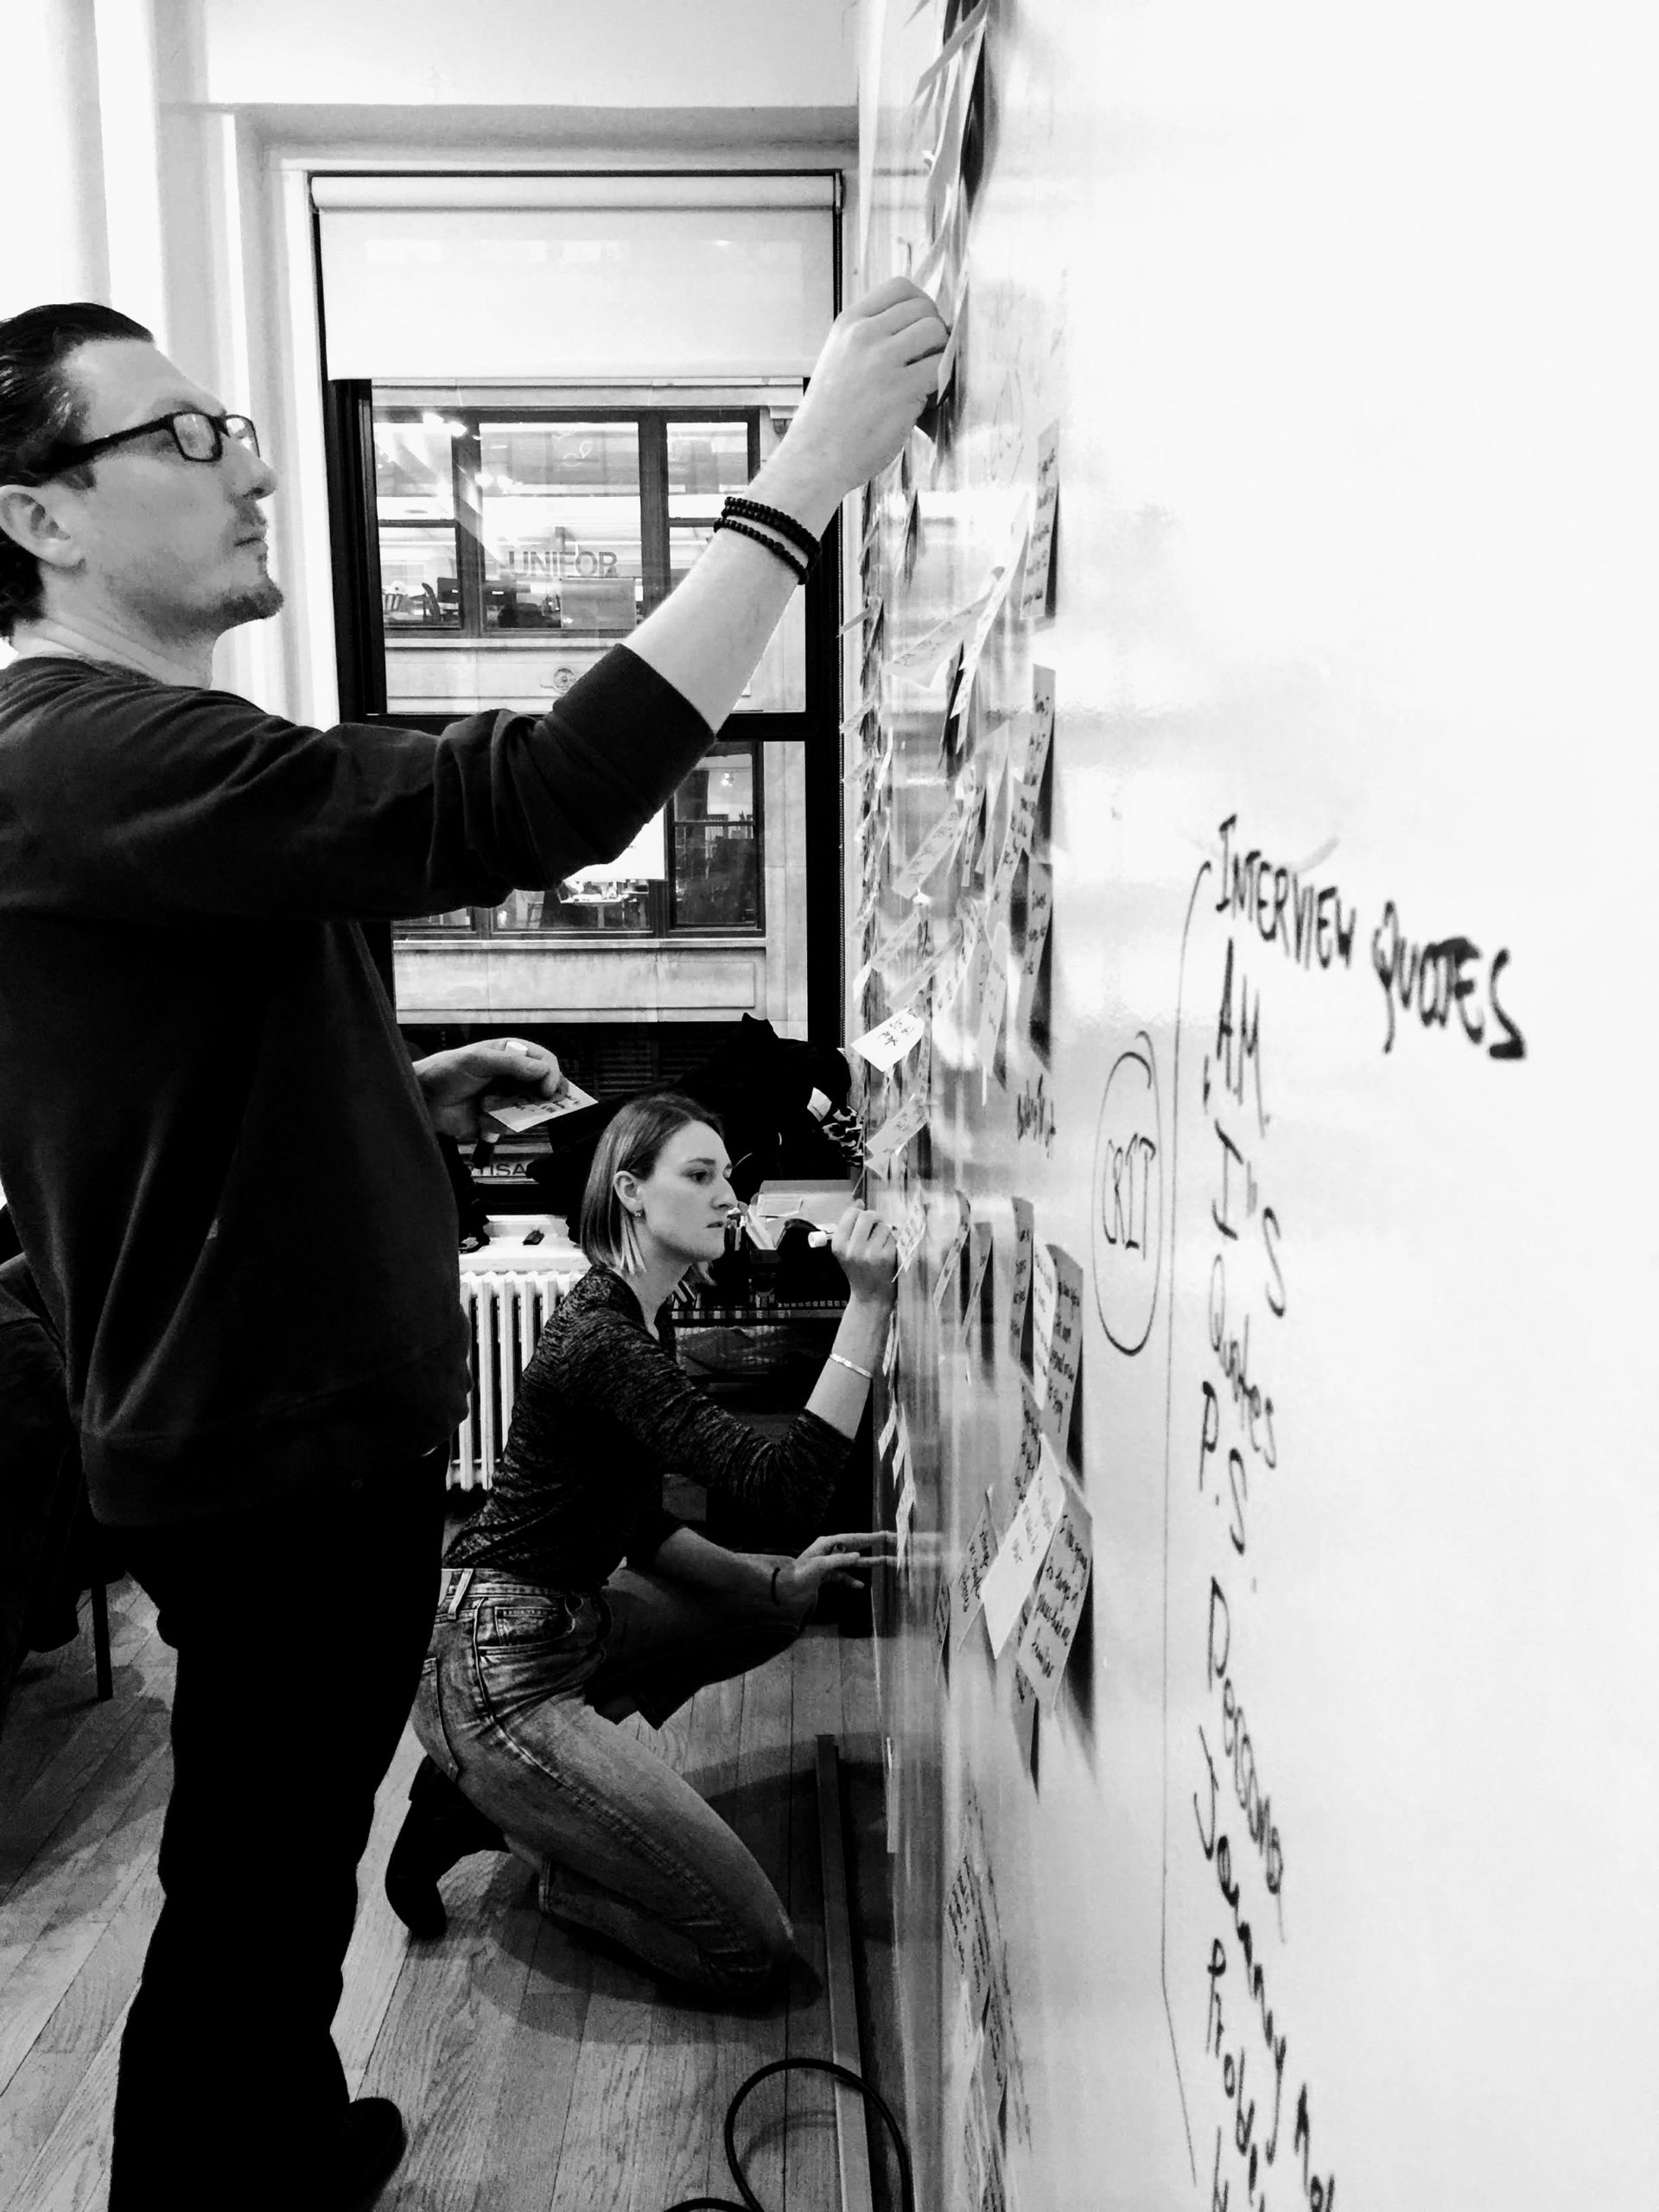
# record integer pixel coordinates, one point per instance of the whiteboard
(1328, 1877)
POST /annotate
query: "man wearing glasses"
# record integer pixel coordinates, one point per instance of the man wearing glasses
(220, 1161)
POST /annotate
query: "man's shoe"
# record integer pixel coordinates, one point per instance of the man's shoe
(371, 2140)
(439, 1827)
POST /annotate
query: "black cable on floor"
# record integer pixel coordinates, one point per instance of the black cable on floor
(751, 2203)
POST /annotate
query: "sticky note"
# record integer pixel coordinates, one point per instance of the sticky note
(943, 1605)
(1041, 738)
(1057, 1334)
(912, 1228)
(516, 1114)
(1040, 546)
(1045, 1642)
(1011, 1573)
(969, 1578)
(899, 1127)
(1039, 912)
(1024, 1237)
(950, 1264)
(886, 1045)
(1028, 1456)
(942, 839)
(994, 994)
(979, 1260)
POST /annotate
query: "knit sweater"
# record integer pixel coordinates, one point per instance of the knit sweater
(215, 1150)
(602, 1413)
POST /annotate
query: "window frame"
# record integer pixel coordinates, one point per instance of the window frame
(360, 640)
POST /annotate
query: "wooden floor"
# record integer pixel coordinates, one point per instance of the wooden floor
(536, 2075)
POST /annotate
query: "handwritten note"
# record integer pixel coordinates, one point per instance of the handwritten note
(517, 1114)
(970, 1576)
(912, 1229)
(906, 1122)
(1024, 1239)
(1045, 1642)
(979, 1260)
(1042, 728)
(942, 839)
(1039, 547)
(1028, 1457)
(994, 995)
(1057, 1334)
(886, 1045)
(950, 1275)
(1039, 912)
(1011, 1573)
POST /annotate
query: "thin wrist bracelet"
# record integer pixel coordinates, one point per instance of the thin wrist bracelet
(791, 560)
(774, 518)
(868, 1373)
(776, 1572)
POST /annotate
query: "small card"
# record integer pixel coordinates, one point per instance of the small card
(1028, 1458)
(911, 1231)
(950, 1263)
(886, 1045)
(1039, 912)
(969, 1577)
(1039, 547)
(517, 1114)
(1024, 1239)
(1008, 1583)
(979, 1260)
(899, 1127)
(1045, 1642)
(994, 995)
(1057, 1335)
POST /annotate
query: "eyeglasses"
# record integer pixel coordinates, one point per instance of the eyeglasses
(198, 437)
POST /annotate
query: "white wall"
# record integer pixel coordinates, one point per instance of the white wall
(629, 54)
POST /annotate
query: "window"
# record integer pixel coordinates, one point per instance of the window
(696, 866)
(517, 545)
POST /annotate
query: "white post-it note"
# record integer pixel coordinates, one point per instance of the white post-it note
(903, 1124)
(1008, 1580)
(1039, 912)
(979, 1260)
(516, 1114)
(950, 1264)
(994, 995)
(1019, 1294)
(1041, 735)
(1028, 1456)
(885, 1045)
(1045, 1642)
(912, 1228)
(970, 1576)
(1057, 1334)
(1040, 546)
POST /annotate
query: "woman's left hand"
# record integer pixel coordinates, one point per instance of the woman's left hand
(827, 1559)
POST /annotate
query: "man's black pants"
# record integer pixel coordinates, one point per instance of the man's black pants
(300, 1633)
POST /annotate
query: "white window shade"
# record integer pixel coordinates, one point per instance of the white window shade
(575, 287)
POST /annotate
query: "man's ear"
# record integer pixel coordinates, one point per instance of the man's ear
(29, 516)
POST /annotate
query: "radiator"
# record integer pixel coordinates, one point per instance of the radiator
(505, 1314)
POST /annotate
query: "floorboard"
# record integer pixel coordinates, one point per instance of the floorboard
(539, 2072)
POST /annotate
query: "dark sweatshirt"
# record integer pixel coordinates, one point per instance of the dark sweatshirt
(602, 1413)
(217, 1154)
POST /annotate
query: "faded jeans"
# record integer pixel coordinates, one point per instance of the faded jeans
(511, 1706)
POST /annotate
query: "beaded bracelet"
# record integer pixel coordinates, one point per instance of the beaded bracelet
(791, 560)
(775, 519)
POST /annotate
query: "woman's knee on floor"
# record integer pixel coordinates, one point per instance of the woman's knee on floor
(757, 1958)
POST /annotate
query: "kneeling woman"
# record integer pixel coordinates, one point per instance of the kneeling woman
(545, 1638)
